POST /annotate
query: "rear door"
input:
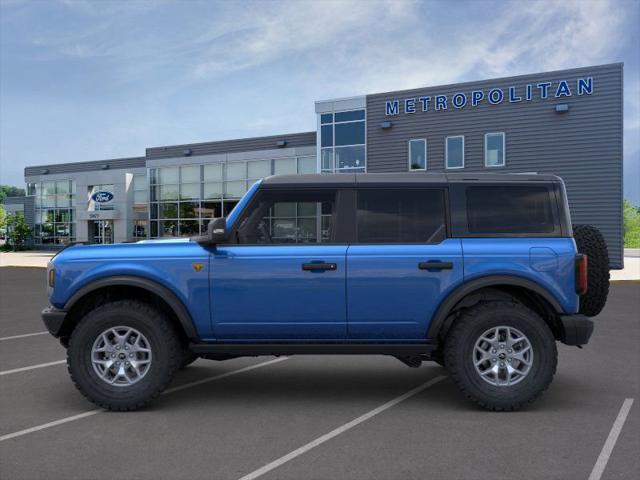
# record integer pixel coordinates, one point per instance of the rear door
(285, 279)
(402, 263)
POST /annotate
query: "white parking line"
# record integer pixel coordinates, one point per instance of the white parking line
(171, 390)
(601, 463)
(31, 367)
(334, 433)
(13, 337)
(50, 424)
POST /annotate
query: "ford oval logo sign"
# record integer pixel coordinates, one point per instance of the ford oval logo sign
(102, 197)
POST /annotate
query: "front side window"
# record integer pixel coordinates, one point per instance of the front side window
(418, 154)
(455, 152)
(342, 141)
(401, 216)
(509, 209)
(289, 218)
(494, 150)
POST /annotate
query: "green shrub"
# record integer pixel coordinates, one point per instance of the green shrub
(18, 231)
(631, 225)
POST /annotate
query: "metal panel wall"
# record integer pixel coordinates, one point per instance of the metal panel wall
(231, 146)
(583, 145)
(97, 165)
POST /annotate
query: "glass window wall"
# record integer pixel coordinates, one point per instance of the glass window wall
(184, 199)
(54, 212)
(342, 141)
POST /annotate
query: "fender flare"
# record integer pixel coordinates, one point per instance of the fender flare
(178, 307)
(440, 317)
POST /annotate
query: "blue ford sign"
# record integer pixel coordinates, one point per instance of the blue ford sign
(102, 197)
(492, 96)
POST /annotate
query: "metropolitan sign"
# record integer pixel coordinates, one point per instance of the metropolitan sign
(493, 96)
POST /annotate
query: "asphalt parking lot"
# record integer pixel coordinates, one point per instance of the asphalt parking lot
(316, 417)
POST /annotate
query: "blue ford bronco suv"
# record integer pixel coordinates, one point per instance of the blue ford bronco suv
(481, 273)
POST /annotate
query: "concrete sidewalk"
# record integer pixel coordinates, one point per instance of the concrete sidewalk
(631, 270)
(36, 258)
(30, 258)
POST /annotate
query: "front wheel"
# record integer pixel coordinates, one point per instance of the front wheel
(501, 355)
(123, 354)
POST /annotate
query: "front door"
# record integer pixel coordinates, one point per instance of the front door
(402, 264)
(284, 278)
(102, 231)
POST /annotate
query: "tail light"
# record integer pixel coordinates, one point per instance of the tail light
(582, 283)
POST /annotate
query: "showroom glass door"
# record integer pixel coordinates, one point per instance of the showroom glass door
(102, 231)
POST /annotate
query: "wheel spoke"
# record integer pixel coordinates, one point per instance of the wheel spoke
(510, 349)
(132, 357)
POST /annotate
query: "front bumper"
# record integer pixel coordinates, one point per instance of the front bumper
(54, 320)
(576, 329)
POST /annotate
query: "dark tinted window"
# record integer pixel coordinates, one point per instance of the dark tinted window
(349, 133)
(327, 135)
(509, 209)
(350, 116)
(326, 118)
(401, 216)
(290, 217)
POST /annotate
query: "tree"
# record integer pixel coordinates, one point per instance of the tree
(3, 218)
(17, 231)
(631, 225)
(9, 191)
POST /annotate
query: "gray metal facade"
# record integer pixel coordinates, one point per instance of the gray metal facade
(79, 167)
(583, 145)
(291, 140)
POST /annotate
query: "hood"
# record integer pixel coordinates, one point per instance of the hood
(173, 247)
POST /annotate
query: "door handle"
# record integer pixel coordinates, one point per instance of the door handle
(435, 265)
(319, 266)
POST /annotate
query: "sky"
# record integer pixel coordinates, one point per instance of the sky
(89, 80)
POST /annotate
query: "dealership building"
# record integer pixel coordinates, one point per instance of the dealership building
(568, 123)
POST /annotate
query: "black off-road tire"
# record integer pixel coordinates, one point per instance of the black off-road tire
(460, 343)
(438, 357)
(589, 240)
(188, 357)
(150, 322)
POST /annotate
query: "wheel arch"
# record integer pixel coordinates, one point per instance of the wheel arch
(495, 287)
(127, 286)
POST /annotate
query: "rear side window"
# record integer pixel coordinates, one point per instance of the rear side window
(509, 209)
(401, 216)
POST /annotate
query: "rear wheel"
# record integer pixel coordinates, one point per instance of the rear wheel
(123, 354)
(589, 240)
(501, 355)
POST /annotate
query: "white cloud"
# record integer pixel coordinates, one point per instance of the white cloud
(279, 30)
(283, 55)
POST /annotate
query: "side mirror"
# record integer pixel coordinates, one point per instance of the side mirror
(217, 231)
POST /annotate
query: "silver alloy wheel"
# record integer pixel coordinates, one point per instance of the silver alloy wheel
(503, 356)
(121, 356)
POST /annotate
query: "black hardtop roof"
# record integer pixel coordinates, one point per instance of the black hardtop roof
(401, 179)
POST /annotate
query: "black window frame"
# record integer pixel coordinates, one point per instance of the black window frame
(447, 218)
(460, 227)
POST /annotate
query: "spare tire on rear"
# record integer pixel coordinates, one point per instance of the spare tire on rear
(589, 241)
